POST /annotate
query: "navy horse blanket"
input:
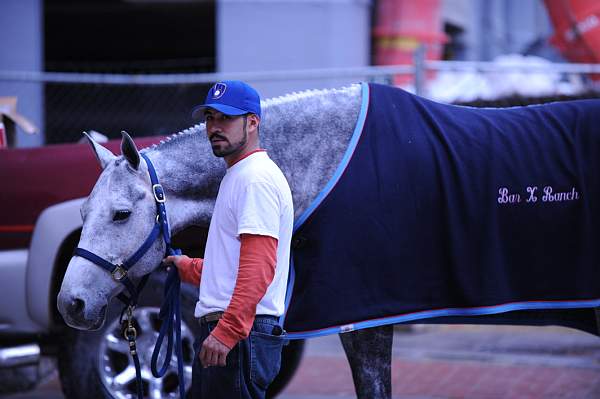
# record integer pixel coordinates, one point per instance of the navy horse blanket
(441, 213)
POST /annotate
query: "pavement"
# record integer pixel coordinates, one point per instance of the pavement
(471, 362)
(447, 362)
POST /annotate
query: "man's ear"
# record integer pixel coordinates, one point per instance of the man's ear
(253, 121)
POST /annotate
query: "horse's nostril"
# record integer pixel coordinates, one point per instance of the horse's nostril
(76, 306)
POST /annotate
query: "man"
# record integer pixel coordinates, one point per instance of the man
(244, 272)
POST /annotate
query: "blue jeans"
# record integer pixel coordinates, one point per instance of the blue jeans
(251, 365)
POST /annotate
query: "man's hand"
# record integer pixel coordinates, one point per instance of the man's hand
(177, 260)
(190, 270)
(213, 352)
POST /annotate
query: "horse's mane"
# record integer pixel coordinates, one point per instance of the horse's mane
(265, 104)
(186, 132)
(294, 96)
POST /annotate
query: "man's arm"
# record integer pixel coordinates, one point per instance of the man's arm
(190, 269)
(258, 259)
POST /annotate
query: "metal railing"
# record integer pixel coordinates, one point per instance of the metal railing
(372, 72)
(160, 104)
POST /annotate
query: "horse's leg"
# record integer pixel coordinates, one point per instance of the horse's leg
(369, 353)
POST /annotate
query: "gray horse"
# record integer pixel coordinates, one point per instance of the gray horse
(305, 133)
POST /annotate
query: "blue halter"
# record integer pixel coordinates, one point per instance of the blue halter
(170, 311)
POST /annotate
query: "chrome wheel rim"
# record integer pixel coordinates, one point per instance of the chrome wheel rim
(116, 367)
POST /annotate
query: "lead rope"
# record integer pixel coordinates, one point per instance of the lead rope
(170, 312)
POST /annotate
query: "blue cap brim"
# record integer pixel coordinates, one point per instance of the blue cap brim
(198, 112)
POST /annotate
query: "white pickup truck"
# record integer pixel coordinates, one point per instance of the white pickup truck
(40, 223)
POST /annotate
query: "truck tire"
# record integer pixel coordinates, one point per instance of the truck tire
(97, 364)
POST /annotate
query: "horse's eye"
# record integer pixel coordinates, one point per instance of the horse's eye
(121, 215)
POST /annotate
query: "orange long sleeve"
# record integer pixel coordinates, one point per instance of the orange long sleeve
(258, 259)
(191, 271)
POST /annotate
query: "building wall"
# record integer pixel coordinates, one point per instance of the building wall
(21, 42)
(268, 35)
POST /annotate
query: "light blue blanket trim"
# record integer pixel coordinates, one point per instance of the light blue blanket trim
(289, 289)
(358, 128)
(428, 314)
(362, 116)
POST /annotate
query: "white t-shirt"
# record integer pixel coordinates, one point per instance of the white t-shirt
(254, 198)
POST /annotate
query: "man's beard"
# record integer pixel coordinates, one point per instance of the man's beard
(231, 148)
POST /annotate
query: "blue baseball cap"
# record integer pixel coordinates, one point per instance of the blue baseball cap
(231, 97)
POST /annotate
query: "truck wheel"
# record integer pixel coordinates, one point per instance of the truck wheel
(97, 364)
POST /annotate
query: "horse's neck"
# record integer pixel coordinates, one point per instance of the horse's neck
(190, 175)
(306, 134)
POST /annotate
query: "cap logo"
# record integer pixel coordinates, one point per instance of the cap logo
(219, 90)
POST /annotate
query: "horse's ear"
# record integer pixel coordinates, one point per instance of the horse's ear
(103, 155)
(129, 150)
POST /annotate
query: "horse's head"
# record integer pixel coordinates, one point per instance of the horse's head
(117, 217)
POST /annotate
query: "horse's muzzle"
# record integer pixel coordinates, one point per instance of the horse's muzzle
(77, 313)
